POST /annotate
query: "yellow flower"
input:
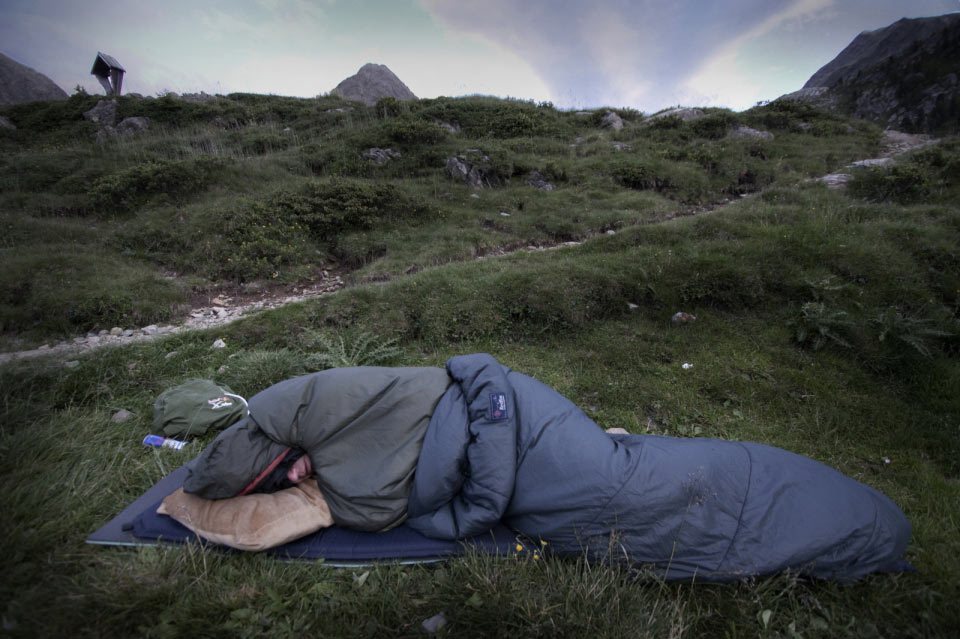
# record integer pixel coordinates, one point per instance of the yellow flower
(519, 547)
(536, 555)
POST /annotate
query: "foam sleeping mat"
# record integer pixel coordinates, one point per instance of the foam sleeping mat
(140, 525)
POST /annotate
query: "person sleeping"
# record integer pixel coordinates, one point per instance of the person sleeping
(452, 452)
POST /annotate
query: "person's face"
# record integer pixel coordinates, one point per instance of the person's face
(301, 469)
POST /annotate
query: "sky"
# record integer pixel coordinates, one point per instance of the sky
(577, 54)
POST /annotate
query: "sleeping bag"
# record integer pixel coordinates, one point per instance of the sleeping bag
(457, 451)
(503, 446)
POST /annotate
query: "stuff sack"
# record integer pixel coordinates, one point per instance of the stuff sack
(195, 407)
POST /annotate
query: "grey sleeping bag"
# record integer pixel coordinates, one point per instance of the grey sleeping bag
(502, 446)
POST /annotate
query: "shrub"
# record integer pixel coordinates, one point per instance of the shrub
(252, 241)
(129, 188)
(641, 177)
(901, 183)
(389, 107)
(408, 130)
(479, 117)
(327, 208)
(714, 125)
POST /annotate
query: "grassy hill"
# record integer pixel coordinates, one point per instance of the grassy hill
(828, 323)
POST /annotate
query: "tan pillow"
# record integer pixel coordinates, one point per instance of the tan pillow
(252, 522)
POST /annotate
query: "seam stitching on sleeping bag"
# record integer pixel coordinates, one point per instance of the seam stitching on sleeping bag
(743, 506)
(603, 509)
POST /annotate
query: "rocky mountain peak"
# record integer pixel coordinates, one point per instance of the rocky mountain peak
(905, 75)
(372, 82)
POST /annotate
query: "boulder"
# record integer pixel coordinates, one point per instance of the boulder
(684, 113)
(133, 125)
(452, 127)
(105, 113)
(372, 82)
(19, 83)
(537, 180)
(611, 121)
(746, 132)
(477, 173)
(380, 156)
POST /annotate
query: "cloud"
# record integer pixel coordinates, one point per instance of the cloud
(653, 53)
(619, 52)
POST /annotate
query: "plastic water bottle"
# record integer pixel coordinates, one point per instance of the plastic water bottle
(164, 442)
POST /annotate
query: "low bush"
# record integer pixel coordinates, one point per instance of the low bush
(130, 188)
(901, 183)
(481, 117)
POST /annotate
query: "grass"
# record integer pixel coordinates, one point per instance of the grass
(827, 324)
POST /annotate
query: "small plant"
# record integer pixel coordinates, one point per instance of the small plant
(818, 326)
(365, 349)
(913, 331)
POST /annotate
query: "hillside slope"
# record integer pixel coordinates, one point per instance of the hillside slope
(906, 76)
(19, 83)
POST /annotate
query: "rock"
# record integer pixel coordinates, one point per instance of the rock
(611, 232)
(583, 113)
(121, 416)
(475, 196)
(149, 330)
(616, 430)
(631, 306)
(479, 175)
(835, 180)
(19, 84)
(874, 162)
(372, 82)
(7, 124)
(116, 331)
(611, 121)
(452, 127)
(683, 318)
(219, 344)
(133, 125)
(105, 113)
(746, 132)
(684, 113)
(621, 146)
(537, 180)
(127, 333)
(171, 355)
(434, 623)
(71, 364)
(203, 96)
(380, 156)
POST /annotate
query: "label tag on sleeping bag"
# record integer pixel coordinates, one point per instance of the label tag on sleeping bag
(498, 406)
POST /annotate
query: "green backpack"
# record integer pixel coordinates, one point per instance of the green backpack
(195, 407)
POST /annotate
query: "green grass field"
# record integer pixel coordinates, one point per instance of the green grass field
(828, 323)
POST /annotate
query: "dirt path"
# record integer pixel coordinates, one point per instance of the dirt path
(223, 309)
